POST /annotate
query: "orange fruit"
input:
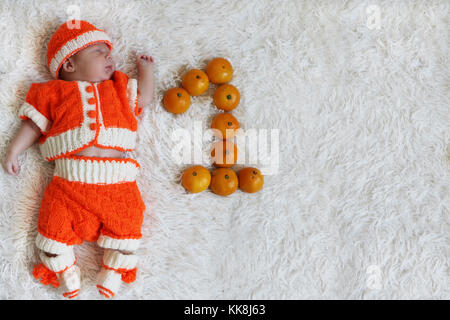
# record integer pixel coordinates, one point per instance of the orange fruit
(176, 100)
(250, 180)
(226, 97)
(219, 70)
(224, 181)
(225, 125)
(196, 179)
(195, 82)
(224, 154)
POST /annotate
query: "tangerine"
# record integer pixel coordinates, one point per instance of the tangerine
(226, 154)
(219, 70)
(195, 82)
(196, 179)
(226, 97)
(224, 181)
(250, 180)
(225, 125)
(176, 100)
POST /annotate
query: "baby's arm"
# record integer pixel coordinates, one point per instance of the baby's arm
(146, 81)
(28, 133)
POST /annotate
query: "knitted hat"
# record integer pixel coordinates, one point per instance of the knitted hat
(66, 42)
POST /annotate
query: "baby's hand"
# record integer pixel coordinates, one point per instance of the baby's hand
(144, 62)
(11, 164)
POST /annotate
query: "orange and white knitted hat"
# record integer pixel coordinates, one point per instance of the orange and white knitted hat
(66, 42)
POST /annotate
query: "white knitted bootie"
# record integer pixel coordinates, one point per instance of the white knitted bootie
(116, 267)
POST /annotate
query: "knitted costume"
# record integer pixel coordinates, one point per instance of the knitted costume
(74, 115)
(89, 198)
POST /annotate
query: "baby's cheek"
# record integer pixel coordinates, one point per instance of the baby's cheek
(98, 68)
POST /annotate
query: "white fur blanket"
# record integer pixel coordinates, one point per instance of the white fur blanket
(357, 206)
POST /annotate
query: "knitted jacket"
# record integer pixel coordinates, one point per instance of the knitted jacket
(74, 115)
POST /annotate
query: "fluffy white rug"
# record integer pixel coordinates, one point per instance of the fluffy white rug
(358, 207)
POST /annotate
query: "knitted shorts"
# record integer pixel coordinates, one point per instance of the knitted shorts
(91, 199)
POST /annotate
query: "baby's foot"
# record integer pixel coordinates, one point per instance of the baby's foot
(59, 269)
(116, 268)
(108, 282)
(71, 279)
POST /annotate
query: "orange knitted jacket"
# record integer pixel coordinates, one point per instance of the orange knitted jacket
(74, 115)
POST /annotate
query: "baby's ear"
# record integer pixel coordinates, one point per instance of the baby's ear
(68, 65)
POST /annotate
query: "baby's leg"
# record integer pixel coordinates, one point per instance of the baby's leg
(56, 237)
(122, 215)
(117, 266)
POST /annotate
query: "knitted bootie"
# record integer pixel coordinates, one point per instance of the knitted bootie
(116, 267)
(59, 270)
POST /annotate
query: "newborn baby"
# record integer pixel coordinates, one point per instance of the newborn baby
(86, 120)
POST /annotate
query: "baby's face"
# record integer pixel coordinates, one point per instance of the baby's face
(95, 63)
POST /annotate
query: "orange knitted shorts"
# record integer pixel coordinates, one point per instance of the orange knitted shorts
(91, 199)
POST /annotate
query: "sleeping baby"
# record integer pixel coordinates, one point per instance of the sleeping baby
(86, 121)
